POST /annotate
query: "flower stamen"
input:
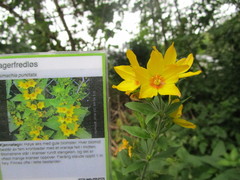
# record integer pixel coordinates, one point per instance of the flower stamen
(157, 81)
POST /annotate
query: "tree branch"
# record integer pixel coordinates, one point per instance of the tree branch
(11, 10)
(60, 12)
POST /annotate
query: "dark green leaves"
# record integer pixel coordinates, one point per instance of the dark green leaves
(136, 131)
(140, 107)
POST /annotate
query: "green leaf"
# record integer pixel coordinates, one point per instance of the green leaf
(18, 97)
(150, 117)
(229, 174)
(40, 97)
(124, 158)
(52, 123)
(172, 107)
(234, 154)
(169, 152)
(83, 134)
(219, 149)
(133, 167)
(211, 160)
(136, 131)
(59, 135)
(140, 107)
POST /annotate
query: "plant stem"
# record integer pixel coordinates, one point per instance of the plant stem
(151, 149)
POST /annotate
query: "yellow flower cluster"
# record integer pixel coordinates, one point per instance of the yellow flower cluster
(35, 131)
(40, 105)
(68, 120)
(17, 121)
(29, 83)
(125, 145)
(67, 131)
(33, 95)
(160, 76)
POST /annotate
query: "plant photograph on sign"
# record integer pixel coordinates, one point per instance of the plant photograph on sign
(44, 109)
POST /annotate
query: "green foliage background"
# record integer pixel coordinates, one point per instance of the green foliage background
(202, 28)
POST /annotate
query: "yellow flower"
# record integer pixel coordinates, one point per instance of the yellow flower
(33, 107)
(170, 58)
(75, 118)
(23, 85)
(176, 115)
(158, 79)
(127, 73)
(31, 83)
(18, 122)
(69, 112)
(61, 119)
(38, 90)
(40, 105)
(26, 95)
(33, 96)
(68, 120)
(125, 145)
(62, 109)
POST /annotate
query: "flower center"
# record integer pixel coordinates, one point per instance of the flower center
(157, 81)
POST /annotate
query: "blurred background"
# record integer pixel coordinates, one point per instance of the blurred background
(210, 29)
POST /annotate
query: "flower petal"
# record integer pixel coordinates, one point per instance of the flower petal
(186, 61)
(146, 91)
(142, 75)
(155, 64)
(126, 86)
(188, 74)
(169, 89)
(184, 123)
(126, 72)
(170, 55)
(132, 58)
(171, 73)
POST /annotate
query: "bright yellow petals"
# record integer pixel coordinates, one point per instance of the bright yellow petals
(40, 105)
(170, 56)
(125, 145)
(184, 123)
(188, 74)
(132, 58)
(187, 61)
(130, 83)
(160, 76)
(163, 83)
(33, 107)
(177, 120)
(31, 83)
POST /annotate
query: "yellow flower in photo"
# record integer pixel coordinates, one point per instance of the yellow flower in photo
(127, 73)
(62, 109)
(31, 83)
(75, 118)
(69, 112)
(33, 107)
(61, 119)
(38, 90)
(68, 120)
(22, 85)
(170, 58)
(33, 96)
(18, 122)
(176, 115)
(40, 105)
(26, 95)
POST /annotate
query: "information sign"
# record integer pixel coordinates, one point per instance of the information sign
(53, 116)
